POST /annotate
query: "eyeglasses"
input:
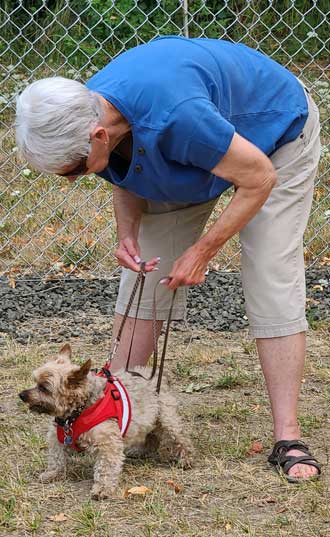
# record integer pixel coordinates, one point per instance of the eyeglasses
(80, 169)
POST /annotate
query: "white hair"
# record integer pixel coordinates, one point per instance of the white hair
(54, 118)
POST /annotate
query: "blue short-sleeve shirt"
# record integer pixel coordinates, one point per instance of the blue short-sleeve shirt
(185, 99)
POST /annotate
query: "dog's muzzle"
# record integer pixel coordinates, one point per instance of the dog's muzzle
(24, 396)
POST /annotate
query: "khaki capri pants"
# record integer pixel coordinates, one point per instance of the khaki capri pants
(272, 261)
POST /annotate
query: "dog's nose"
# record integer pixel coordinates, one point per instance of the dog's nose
(23, 395)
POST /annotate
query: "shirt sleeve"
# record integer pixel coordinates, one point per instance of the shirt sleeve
(197, 134)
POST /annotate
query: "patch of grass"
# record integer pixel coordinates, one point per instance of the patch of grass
(7, 513)
(228, 381)
(249, 346)
(232, 447)
(226, 493)
(154, 506)
(184, 371)
(309, 424)
(89, 519)
(310, 316)
(224, 412)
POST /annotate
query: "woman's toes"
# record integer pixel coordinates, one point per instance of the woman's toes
(301, 471)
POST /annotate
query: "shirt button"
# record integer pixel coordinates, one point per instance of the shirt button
(141, 150)
(138, 168)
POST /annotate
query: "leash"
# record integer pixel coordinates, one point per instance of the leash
(139, 286)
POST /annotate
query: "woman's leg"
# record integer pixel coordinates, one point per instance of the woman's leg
(274, 280)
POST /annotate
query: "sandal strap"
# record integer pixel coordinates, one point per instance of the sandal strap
(281, 448)
(287, 462)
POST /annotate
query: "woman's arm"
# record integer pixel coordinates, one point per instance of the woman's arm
(254, 176)
(128, 211)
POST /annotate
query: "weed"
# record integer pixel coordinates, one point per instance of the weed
(7, 513)
(309, 424)
(223, 413)
(183, 371)
(89, 519)
(230, 380)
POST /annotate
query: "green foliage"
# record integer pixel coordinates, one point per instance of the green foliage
(91, 32)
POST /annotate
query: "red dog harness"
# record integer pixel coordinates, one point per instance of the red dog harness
(115, 403)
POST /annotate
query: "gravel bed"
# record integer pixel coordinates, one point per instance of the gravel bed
(78, 306)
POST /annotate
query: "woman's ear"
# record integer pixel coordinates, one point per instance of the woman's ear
(99, 134)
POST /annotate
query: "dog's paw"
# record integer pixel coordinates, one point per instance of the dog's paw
(179, 453)
(100, 492)
(50, 475)
(185, 459)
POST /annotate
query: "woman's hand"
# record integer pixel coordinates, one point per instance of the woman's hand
(189, 268)
(128, 256)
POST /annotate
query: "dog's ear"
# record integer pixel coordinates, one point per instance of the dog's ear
(66, 350)
(80, 374)
(65, 354)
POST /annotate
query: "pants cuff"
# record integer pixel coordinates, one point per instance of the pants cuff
(146, 314)
(278, 330)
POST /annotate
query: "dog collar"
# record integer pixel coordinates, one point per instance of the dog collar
(62, 422)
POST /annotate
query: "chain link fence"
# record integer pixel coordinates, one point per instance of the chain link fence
(49, 228)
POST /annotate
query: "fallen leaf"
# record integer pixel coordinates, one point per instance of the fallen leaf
(269, 499)
(70, 268)
(325, 260)
(256, 447)
(282, 510)
(12, 282)
(90, 243)
(67, 239)
(312, 301)
(318, 287)
(142, 491)
(177, 488)
(58, 518)
(192, 387)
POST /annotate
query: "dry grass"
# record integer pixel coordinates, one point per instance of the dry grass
(227, 492)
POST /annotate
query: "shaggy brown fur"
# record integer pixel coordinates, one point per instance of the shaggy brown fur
(63, 387)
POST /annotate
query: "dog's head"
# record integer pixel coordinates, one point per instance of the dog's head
(61, 386)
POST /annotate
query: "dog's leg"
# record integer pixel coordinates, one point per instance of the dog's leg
(56, 458)
(106, 444)
(147, 449)
(174, 444)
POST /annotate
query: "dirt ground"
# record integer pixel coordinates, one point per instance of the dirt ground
(231, 491)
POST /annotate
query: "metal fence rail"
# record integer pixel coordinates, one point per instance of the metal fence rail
(50, 228)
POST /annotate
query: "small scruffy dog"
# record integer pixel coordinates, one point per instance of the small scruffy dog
(65, 389)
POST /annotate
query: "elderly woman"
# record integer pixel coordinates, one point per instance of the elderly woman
(172, 124)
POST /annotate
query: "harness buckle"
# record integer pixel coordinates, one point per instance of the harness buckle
(106, 372)
(115, 394)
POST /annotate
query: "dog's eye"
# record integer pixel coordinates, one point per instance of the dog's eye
(42, 388)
